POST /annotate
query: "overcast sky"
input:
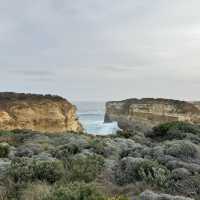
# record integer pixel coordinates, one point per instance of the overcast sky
(101, 49)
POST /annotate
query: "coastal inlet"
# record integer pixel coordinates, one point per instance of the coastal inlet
(91, 116)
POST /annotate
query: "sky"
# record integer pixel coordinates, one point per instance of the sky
(101, 50)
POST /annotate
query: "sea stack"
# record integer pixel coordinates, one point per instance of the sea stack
(38, 113)
(143, 114)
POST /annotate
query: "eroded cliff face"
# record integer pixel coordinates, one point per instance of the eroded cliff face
(143, 114)
(39, 113)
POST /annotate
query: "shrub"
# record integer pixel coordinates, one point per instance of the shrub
(65, 151)
(152, 172)
(98, 146)
(50, 171)
(21, 170)
(181, 149)
(131, 170)
(76, 191)
(4, 150)
(84, 168)
(174, 130)
(125, 134)
(35, 191)
(25, 170)
(187, 186)
(6, 133)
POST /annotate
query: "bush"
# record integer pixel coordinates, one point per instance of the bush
(174, 130)
(35, 191)
(4, 150)
(6, 133)
(152, 172)
(21, 170)
(25, 170)
(181, 149)
(65, 151)
(187, 186)
(76, 191)
(98, 146)
(131, 170)
(84, 168)
(50, 171)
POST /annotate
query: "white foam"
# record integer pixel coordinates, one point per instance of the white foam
(91, 116)
(100, 128)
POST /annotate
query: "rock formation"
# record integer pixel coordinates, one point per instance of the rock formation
(42, 113)
(145, 113)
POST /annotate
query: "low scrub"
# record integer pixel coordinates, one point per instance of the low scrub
(174, 130)
(66, 151)
(35, 191)
(25, 170)
(76, 191)
(4, 150)
(181, 149)
(84, 168)
(131, 170)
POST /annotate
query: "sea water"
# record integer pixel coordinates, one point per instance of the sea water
(91, 116)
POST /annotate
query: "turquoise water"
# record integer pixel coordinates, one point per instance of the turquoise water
(91, 115)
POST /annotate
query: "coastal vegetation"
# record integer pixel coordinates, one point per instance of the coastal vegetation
(126, 166)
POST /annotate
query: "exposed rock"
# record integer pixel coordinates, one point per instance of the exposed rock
(143, 114)
(38, 113)
(149, 195)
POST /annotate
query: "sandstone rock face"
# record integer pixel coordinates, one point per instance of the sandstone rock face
(145, 113)
(39, 113)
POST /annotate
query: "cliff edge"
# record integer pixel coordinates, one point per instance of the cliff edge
(40, 113)
(143, 114)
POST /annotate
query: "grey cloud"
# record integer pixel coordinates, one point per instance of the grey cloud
(33, 73)
(101, 49)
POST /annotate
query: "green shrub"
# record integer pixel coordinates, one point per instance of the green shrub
(76, 191)
(152, 172)
(35, 191)
(25, 170)
(66, 151)
(50, 171)
(98, 146)
(187, 186)
(4, 150)
(174, 130)
(181, 149)
(84, 168)
(6, 133)
(21, 170)
(125, 134)
(131, 170)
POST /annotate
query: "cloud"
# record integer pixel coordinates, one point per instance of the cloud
(104, 49)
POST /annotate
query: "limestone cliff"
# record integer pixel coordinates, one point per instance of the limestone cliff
(145, 113)
(42, 113)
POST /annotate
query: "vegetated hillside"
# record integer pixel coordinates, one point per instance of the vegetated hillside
(42, 113)
(161, 164)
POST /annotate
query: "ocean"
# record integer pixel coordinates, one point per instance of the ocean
(91, 116)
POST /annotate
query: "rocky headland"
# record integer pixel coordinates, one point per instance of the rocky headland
(132, 164)
(143, 114)
(39, 113)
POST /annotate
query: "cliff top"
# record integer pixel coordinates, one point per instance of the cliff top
(12, 96)
(184, 106)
